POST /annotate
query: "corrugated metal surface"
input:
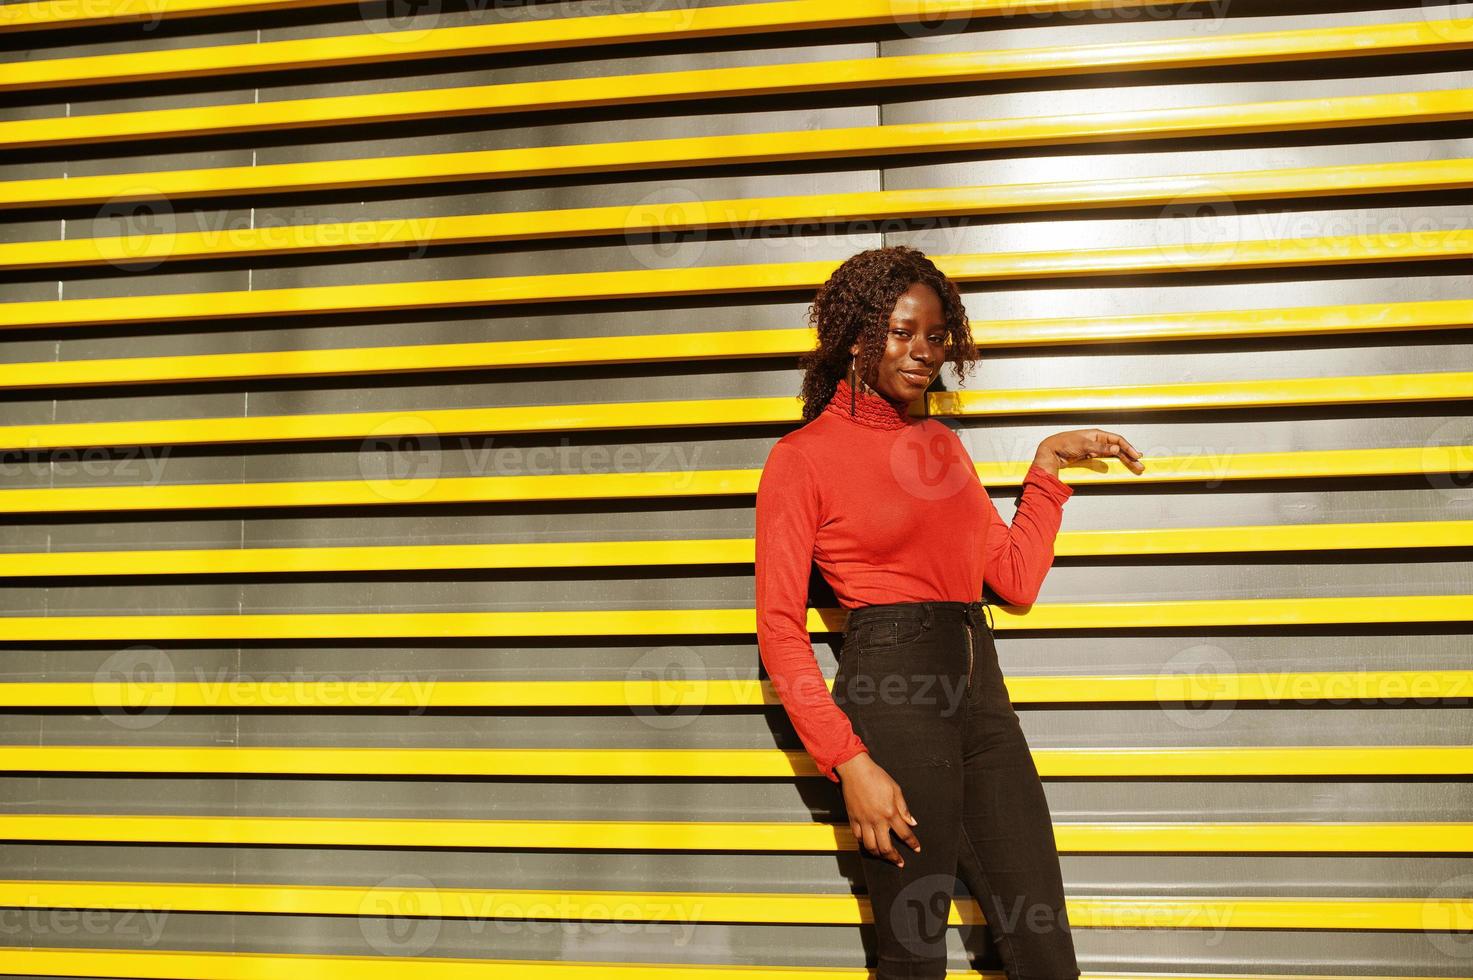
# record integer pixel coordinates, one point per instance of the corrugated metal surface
(1269, 201)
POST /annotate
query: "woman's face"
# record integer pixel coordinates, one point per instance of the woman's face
(915, 345)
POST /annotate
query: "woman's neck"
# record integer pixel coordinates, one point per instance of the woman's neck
(870, 408)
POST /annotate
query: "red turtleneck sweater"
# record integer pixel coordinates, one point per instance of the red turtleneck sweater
(892, 510)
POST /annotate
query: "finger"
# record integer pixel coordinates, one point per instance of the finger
(887, 849)
(902, 830)
(906, 835)
(881, 833)
(1131, 456)
(1113, 444)
(1133, 451)
(1120, 440)
(870, 844)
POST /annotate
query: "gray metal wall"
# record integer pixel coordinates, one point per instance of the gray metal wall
(1326, 942)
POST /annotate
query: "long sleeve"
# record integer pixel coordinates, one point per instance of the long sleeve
(787, 520)
(1019, 556)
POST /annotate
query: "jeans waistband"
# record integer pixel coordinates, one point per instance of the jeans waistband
(977, 612)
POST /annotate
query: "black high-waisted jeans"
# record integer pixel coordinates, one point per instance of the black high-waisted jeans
(920, 682)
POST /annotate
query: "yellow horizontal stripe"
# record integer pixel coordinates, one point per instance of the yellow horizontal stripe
(489, 355)
(1127, 763)
(52, 14)
(545, 554)
(1142, 836)
(353, 425)
(1354, 914)
(424, 231)
(492, 355)
(1145, 912)
(501, 834)
(633, 284)
(1171, 396)
(1125, 837)
(1261, 686)
(745, 81)
(426, 692)
(533, 35)
(311, 760)
(1390, 461)
(1176, 122)
(1264, 537)
(1178, 613)
(702, 551)
(189, 965)
(297, 493)
(1321, 463)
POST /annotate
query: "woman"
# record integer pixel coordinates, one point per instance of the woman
(918, 730)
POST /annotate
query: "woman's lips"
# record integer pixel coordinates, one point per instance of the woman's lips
(917, 377)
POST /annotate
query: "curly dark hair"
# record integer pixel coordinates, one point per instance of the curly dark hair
(855, 304)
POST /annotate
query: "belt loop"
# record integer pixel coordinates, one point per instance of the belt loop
(987, 611)
(926, 616)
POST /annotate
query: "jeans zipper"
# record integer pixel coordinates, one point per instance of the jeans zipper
(969, 656)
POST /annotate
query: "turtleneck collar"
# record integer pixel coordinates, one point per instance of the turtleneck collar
(871, 408)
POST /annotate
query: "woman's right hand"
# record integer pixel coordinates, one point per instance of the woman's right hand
(876, 807)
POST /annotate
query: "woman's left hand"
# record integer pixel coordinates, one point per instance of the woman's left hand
(1064, 448)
